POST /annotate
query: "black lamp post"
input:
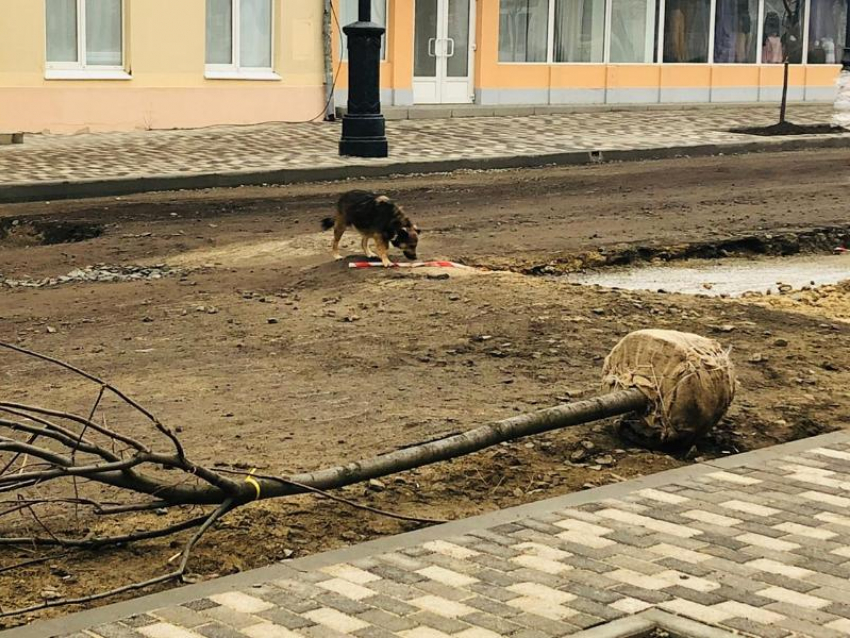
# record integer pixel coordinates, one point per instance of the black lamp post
(845, 59)
(363, 127)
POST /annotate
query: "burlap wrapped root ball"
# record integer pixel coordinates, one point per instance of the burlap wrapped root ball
(689, 381)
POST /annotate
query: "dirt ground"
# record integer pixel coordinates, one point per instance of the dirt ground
(265, 353)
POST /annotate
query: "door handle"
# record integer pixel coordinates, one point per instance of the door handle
(432, 41)
(452, 42)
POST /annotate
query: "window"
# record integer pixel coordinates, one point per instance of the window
(85, 39)
(239, 39)
(633, 31)
(735, 31)
(783, 20)
(579, 31)
(523, 30)
(349, 13)
(686, 30)
(826, 31)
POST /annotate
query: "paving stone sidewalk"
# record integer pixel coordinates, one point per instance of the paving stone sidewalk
(425, 144)
(755, 545)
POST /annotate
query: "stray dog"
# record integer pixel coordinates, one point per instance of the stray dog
(375, 217)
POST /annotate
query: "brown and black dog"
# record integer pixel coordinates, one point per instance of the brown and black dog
(375, 217)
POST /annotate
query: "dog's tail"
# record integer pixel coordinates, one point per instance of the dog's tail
(328, 223)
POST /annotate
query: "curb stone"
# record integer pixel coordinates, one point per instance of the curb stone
(79, 189)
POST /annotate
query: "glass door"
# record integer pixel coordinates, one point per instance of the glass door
(442, 51)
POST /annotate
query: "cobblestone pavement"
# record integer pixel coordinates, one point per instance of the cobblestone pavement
(757, 544)
(52, 158)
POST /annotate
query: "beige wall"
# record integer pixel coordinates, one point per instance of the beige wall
(165, 47)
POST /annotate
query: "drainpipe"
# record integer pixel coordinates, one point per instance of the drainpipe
(327, 35)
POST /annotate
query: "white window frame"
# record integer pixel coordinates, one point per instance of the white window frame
(235, 71)
(79, 70)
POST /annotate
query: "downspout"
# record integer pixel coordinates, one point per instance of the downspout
(327, 35)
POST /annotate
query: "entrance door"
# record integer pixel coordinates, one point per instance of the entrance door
(443, 52)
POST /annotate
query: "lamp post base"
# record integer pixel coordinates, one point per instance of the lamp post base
(365, 147)
(363, 136)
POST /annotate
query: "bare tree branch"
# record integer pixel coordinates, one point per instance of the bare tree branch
(106, 468)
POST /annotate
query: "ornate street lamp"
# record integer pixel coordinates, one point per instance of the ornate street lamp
(363, 126)
(845, 59)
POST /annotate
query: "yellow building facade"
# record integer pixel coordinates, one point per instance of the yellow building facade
(107, 65)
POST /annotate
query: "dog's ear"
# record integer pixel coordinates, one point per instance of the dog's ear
(417, 229)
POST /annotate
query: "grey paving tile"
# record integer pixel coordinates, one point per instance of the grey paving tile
(217, 630)
(115, 630)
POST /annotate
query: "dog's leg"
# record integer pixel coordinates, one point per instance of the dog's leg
(339, 230)
(365, 245)
(382, 248)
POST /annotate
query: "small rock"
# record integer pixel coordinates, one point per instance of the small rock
(273, 320)
(578, 456)
(758, 357)
(598, 311)
(441, 276)
(605, 460)
(454, 297)
(587, 444)
(147, 319)
(212, 311)
(376, 486)
(51, 330)
(727, 328)
(780, 343)
(50, 594)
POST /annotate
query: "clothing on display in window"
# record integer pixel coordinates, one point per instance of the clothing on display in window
(686, 31)
(772, 47)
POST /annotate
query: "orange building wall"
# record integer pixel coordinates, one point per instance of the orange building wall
(499, 83)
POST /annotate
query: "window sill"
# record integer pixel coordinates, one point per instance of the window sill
(261, 76)
(86, 74)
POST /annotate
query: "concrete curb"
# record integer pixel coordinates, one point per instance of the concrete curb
(46, 191)
(111, 613)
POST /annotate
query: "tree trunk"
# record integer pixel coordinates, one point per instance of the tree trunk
(784, 107)
(562, 416)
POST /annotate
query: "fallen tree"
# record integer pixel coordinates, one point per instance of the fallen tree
(84, 463)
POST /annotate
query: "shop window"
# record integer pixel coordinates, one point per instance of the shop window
(686, 30)
(523, 30)
(579, 31)
(349, 14)
(736, 31)
(633, 31)
(239, 39)
(84, 35)
(783, 21)
(826, 31)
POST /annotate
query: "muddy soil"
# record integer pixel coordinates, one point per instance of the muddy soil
(265, 353)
